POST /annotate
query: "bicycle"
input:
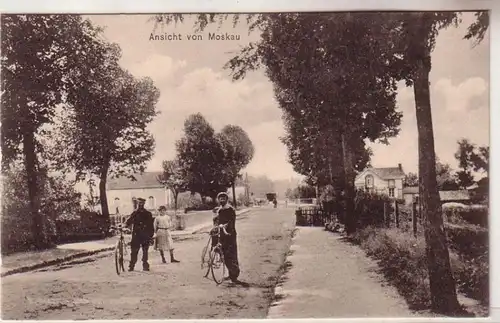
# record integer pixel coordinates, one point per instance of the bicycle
(215, 264)
(121, 249)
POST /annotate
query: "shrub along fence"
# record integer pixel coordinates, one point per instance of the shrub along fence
(394, 236)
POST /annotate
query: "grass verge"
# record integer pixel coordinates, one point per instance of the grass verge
(402, 260)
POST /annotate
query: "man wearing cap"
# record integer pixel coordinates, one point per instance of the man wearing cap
(142, 233)
(227, 215)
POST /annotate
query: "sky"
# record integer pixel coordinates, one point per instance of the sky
(191, 79)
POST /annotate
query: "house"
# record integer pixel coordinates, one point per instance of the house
(410, 194)
(386, 180)
(122, 193)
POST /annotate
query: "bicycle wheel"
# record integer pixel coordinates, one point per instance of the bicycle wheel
(217, 265)
(119, 257)
(205, 254)
(123, 255)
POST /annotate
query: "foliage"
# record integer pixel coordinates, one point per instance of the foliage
(402, 259)
(471, 158)
(446, 180)
(42, 56)
(58, 198)
(238, 148)
(202, 158)
(302, 192)
(370, 208)
(111, 139)
(411, 179)
(173, 179)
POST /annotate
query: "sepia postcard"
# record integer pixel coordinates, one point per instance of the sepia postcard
(285, 165)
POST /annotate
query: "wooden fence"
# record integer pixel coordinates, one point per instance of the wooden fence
(311, 216)
(316, 216)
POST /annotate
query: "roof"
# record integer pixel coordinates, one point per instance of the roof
(387, 172)
(144, 180)
(462, 195)
(410, 190)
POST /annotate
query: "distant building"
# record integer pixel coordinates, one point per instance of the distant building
(410, 195)
(385, 180)
(122, 193)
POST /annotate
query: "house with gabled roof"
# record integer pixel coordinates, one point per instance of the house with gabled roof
(123, 192)
(382, 180)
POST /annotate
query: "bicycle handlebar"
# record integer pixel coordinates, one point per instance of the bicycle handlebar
(223, 227)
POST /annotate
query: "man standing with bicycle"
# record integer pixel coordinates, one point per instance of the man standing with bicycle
(227, 215)
(142, 233)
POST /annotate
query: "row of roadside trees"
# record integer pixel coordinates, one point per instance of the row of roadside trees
(335, 78)
(68, 107)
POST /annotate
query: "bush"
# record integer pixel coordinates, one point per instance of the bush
(84, 226)
(370, 208)
(467, 240)
(477, 215)
(472, 276)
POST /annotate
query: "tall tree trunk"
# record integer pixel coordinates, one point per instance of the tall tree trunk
(234, 195)
(30, 163)
(442, 284)
(176, 195)
(103, 177)
(350, 215)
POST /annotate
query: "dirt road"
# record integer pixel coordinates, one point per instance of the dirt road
(92, 290)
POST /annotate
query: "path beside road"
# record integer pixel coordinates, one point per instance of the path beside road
(31, 260)
(330, 278)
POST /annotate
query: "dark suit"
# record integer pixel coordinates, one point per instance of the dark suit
(227, 216)
(142, 233)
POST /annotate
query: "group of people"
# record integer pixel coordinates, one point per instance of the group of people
(147, 228)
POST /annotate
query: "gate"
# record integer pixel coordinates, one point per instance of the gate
(311, 216)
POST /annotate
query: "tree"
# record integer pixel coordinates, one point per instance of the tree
(414, 35)
(411, 179)
(446, 180)
(111, 140)
(202, 158)
(471, 159)
(40, 56)
(239, 151)
(172, 178)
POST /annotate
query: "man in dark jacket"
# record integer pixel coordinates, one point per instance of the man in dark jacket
(227, 215)
(142, 233)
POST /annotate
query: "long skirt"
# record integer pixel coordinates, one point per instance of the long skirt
(164, 240)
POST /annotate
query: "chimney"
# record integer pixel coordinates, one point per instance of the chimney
(400, 167)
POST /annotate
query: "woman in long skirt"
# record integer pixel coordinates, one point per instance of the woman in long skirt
(163, 241)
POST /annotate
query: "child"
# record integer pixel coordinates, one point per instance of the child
(163, 241)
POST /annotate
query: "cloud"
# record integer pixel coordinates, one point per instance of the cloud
(458, 98)
(453, 116)
(160, 68)
(221, 101)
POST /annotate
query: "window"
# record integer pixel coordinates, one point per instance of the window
(134, 203)
(392, 183)
(151, 202)
(391, 192)
(369, 181)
